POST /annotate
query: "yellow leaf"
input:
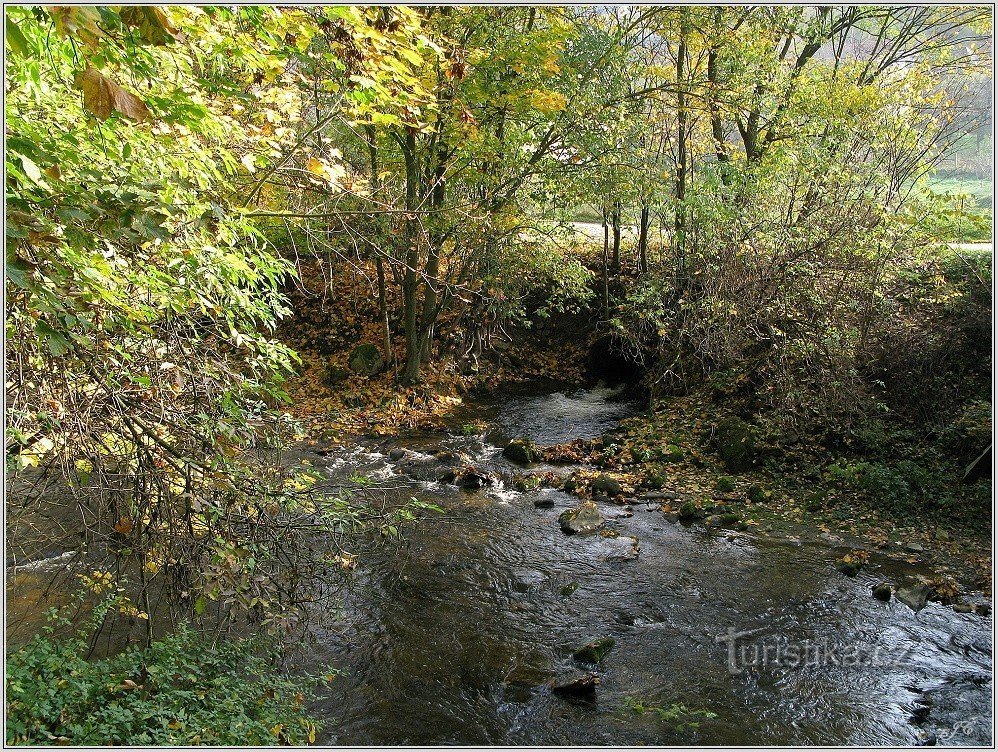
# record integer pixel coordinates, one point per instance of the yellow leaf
(316, 167)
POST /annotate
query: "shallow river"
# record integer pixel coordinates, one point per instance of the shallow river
(458, 637)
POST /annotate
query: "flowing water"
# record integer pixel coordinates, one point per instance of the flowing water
(458, 638)
(721, 638)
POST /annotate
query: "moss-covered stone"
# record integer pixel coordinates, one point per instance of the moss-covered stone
(366, 360)
(725, 484)
(604, 485)
(583, 519)
(735, 444)
(523, 451)
(757, 494)
(594, 652)
(690, 511)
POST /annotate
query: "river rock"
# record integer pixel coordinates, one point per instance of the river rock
(963, 608)
(472, 478)
(568, 589)
(527, 483)
(882, 591)
(396, 454)
(620, 548)
(583, 519)
(735, 444)
(525, 580)
(914, 596)
(914, 547)
(582, 686)
(604, 485)
(689, 512)
(523, 451)
(593, 652)
(543, 502)
(366, 360)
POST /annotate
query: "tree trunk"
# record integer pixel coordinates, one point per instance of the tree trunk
(682, 158)
(386, 331)
(643, 239)
(606, 264)
(615, 223)
(410, 279)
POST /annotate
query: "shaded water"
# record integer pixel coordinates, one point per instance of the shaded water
(457, 638)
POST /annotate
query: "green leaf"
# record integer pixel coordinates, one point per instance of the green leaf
(16, 40)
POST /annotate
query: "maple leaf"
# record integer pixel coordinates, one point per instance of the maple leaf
(102, 96)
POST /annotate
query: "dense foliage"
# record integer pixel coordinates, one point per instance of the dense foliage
(180, 691)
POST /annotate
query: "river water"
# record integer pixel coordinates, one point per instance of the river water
(722, 638)
(458, 637)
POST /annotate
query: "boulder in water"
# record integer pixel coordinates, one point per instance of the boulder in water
(882, 591)
(914, 596)
(523, 451)
(543, 502)
(582, 686)
(604, 485)
(471, 478)
(396, 454)
(525, 580)
(593, 652)
(689, 512)
(583, 519)
(366, 360)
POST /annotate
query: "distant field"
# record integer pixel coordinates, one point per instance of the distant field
(981, 190)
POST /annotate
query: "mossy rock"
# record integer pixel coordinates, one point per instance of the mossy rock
(523, 451)
(595, 651)
(736, 444)
(605, 485)
(333, 375)
(581, 520)
(569, 589)
(656, 481)
(570, 483)
(671, 453)
(729, 518)
(848, 568)
(527, 483)
(757, 494)
(689, 512)
(882, 591)
(725, 484)
(366, 360)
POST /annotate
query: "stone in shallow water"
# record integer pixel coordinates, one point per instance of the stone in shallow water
(882, 591)
(593, 652)
(914, 596)
(582, 686)
(583, 519)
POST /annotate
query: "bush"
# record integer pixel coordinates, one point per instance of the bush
(899, 489)
(183, 690)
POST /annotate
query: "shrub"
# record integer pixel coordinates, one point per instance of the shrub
(183, 690)
(898, 489)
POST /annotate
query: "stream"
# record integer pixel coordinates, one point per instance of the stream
(721, 638)
(459, 634)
